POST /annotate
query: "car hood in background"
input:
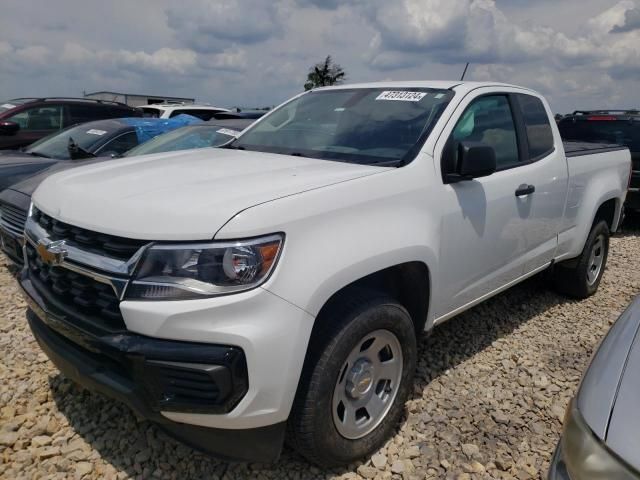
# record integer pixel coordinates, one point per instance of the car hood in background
(609, 393)
(29, 185)
(16, 166)
(185, 195)
(622, 433)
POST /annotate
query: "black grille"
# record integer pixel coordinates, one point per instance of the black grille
(79, 296)
(100, 243)
(13, 219)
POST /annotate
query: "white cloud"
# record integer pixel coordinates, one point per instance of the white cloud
(164, 60)
(234, 60)
(207, 26)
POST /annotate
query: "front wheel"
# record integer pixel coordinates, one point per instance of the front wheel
(579, 278)
(356, 380)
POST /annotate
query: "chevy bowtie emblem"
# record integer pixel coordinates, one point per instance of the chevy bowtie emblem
(52, 253)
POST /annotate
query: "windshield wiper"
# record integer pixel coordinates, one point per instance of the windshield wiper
(231, 146)
(76, 152)
(38, 154)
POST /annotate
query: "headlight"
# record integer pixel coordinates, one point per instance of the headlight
(197, 270)
(586, 456)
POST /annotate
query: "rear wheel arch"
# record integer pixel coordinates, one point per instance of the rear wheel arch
(607, 211)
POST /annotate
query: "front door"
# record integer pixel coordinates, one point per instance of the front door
(484, 240)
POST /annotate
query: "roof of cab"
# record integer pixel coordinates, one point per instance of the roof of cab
(437, 84)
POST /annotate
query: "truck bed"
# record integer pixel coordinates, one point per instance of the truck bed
(577, 149)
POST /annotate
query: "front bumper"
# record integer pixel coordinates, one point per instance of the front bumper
(133, 368)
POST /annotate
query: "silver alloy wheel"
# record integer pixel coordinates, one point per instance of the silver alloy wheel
(596, 259)
(367, 384)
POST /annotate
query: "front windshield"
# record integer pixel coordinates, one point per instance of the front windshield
(86, 136)
(9, 104)
(196, 136)
(368, 126)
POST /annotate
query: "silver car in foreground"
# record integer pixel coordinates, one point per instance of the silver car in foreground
(601, 437)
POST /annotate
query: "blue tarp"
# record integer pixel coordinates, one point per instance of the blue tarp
(147, 128)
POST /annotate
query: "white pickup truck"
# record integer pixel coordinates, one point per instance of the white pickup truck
(278, 286)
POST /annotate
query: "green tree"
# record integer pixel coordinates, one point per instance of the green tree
(324, 73)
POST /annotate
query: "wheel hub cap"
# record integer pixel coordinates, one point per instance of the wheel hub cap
(367, 384)
(596, 259)
(359, 379)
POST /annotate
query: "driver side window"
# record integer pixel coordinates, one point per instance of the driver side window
(489, 120)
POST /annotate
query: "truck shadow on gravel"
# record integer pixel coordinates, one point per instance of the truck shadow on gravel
(142, 449)
(472, 331)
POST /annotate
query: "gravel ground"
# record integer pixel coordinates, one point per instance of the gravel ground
(491, 389)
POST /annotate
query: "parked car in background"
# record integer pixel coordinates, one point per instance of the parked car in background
(278, 284)
(25, 120)
(600, 437)
(169, 110)
(621, 127)
(100, 140)
(239, 114)
(207, 134)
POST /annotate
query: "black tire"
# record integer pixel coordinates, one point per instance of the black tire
(571, 278)
(311, 428)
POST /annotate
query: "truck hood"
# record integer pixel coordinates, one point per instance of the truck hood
(186, 195)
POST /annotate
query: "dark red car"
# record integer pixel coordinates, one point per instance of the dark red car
(25, 120)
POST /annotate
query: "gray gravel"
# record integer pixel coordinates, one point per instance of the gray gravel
(491, 390)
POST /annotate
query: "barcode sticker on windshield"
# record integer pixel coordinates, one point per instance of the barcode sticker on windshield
(228, 131)
(95, 131)
(8, 105)
(401, 96)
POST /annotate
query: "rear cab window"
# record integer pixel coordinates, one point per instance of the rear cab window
(537, 127)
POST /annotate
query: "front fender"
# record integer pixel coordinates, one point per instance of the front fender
(340, 233)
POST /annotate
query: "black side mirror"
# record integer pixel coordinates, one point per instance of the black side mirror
(9, 128)
(475, 159)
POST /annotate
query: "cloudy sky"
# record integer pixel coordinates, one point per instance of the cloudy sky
(580, 53)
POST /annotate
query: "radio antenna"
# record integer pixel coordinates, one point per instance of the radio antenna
(464, 72)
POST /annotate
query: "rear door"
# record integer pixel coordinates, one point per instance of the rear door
(80, 113)
(545, 170)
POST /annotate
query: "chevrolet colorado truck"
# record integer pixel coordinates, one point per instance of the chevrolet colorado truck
(277, 287)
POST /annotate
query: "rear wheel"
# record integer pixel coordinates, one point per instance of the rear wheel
(356, 380)
(580, 277)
